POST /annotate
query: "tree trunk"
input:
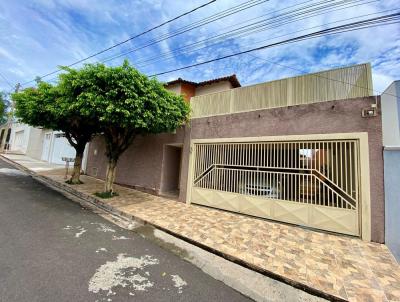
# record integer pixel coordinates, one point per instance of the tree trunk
(110, 176)
(77, 168)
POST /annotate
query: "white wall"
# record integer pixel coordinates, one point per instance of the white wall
(390, 104)
(35, 143)
(17, 146)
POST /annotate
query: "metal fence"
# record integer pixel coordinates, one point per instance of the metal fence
(322, 173)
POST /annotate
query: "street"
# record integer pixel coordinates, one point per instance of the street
(52, 249)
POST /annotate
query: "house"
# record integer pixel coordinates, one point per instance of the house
(161, 154)
(20, 138)
(305, 150)
(5, 135)
(37, 143)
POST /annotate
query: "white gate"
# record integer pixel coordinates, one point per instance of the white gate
(61, 148)
(310, 183)
(19, 140)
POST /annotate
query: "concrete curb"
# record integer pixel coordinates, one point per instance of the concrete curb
(106, 207)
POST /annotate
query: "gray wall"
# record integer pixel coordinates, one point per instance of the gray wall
(391, 142)
(392, 200)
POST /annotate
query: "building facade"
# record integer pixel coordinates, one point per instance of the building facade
(305, 150)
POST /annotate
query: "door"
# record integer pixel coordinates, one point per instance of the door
(61, 148)
(171, 170)
(310, 183)
(46, 147)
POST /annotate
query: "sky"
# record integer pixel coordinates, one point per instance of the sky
(37, 36)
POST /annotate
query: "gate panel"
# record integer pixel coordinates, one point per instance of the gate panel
(311, 183)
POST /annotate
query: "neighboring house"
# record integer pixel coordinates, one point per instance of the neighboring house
(42, 144)
(23, 139)
(55, 146)
(391, 152)
(305, 150)
(5, 134)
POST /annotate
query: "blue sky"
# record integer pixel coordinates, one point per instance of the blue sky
(38, 35)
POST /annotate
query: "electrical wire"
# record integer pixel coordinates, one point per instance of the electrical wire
(373, 22)
(129, 39)
(226, 36)
(6, 81)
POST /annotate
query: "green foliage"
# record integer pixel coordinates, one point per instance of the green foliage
(36, 107)
(3, 107)
(123, 97)
(118, 102)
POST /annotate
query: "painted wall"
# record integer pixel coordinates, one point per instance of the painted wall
(342, 116)
(19, 137)
(391, 115)
(392, 201)
(174, 88)
(391, 143)
(35, 143)
(140, 166)
(212, 88)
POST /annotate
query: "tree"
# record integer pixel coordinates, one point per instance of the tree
(54, 107)
(3, 107)
(126, 104)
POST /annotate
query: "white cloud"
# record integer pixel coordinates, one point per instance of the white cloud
(36, 36)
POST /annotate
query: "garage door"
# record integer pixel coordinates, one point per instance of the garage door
(61, 148)
(46, 147)
(310, 183)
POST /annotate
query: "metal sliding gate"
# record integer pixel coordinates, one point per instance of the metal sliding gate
(310, 183)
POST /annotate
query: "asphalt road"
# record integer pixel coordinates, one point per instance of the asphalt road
(52, 249)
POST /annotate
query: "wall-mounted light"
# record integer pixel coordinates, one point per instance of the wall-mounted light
(369, 112)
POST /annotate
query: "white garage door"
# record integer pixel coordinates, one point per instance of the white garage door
(46, 147)
(61, 148)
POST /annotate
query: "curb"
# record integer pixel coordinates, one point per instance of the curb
(106, 207)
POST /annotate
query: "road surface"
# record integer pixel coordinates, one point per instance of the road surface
(52, 249)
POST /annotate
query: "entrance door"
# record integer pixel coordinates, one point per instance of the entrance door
(46, 147)
(309, 183)
(171, 170)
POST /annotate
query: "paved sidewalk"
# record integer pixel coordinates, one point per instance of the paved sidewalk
(342, 267)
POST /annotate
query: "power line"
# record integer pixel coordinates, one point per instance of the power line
(163, 38)
(215, 17)
(373, 22)
(130, 38)
(6, 81)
